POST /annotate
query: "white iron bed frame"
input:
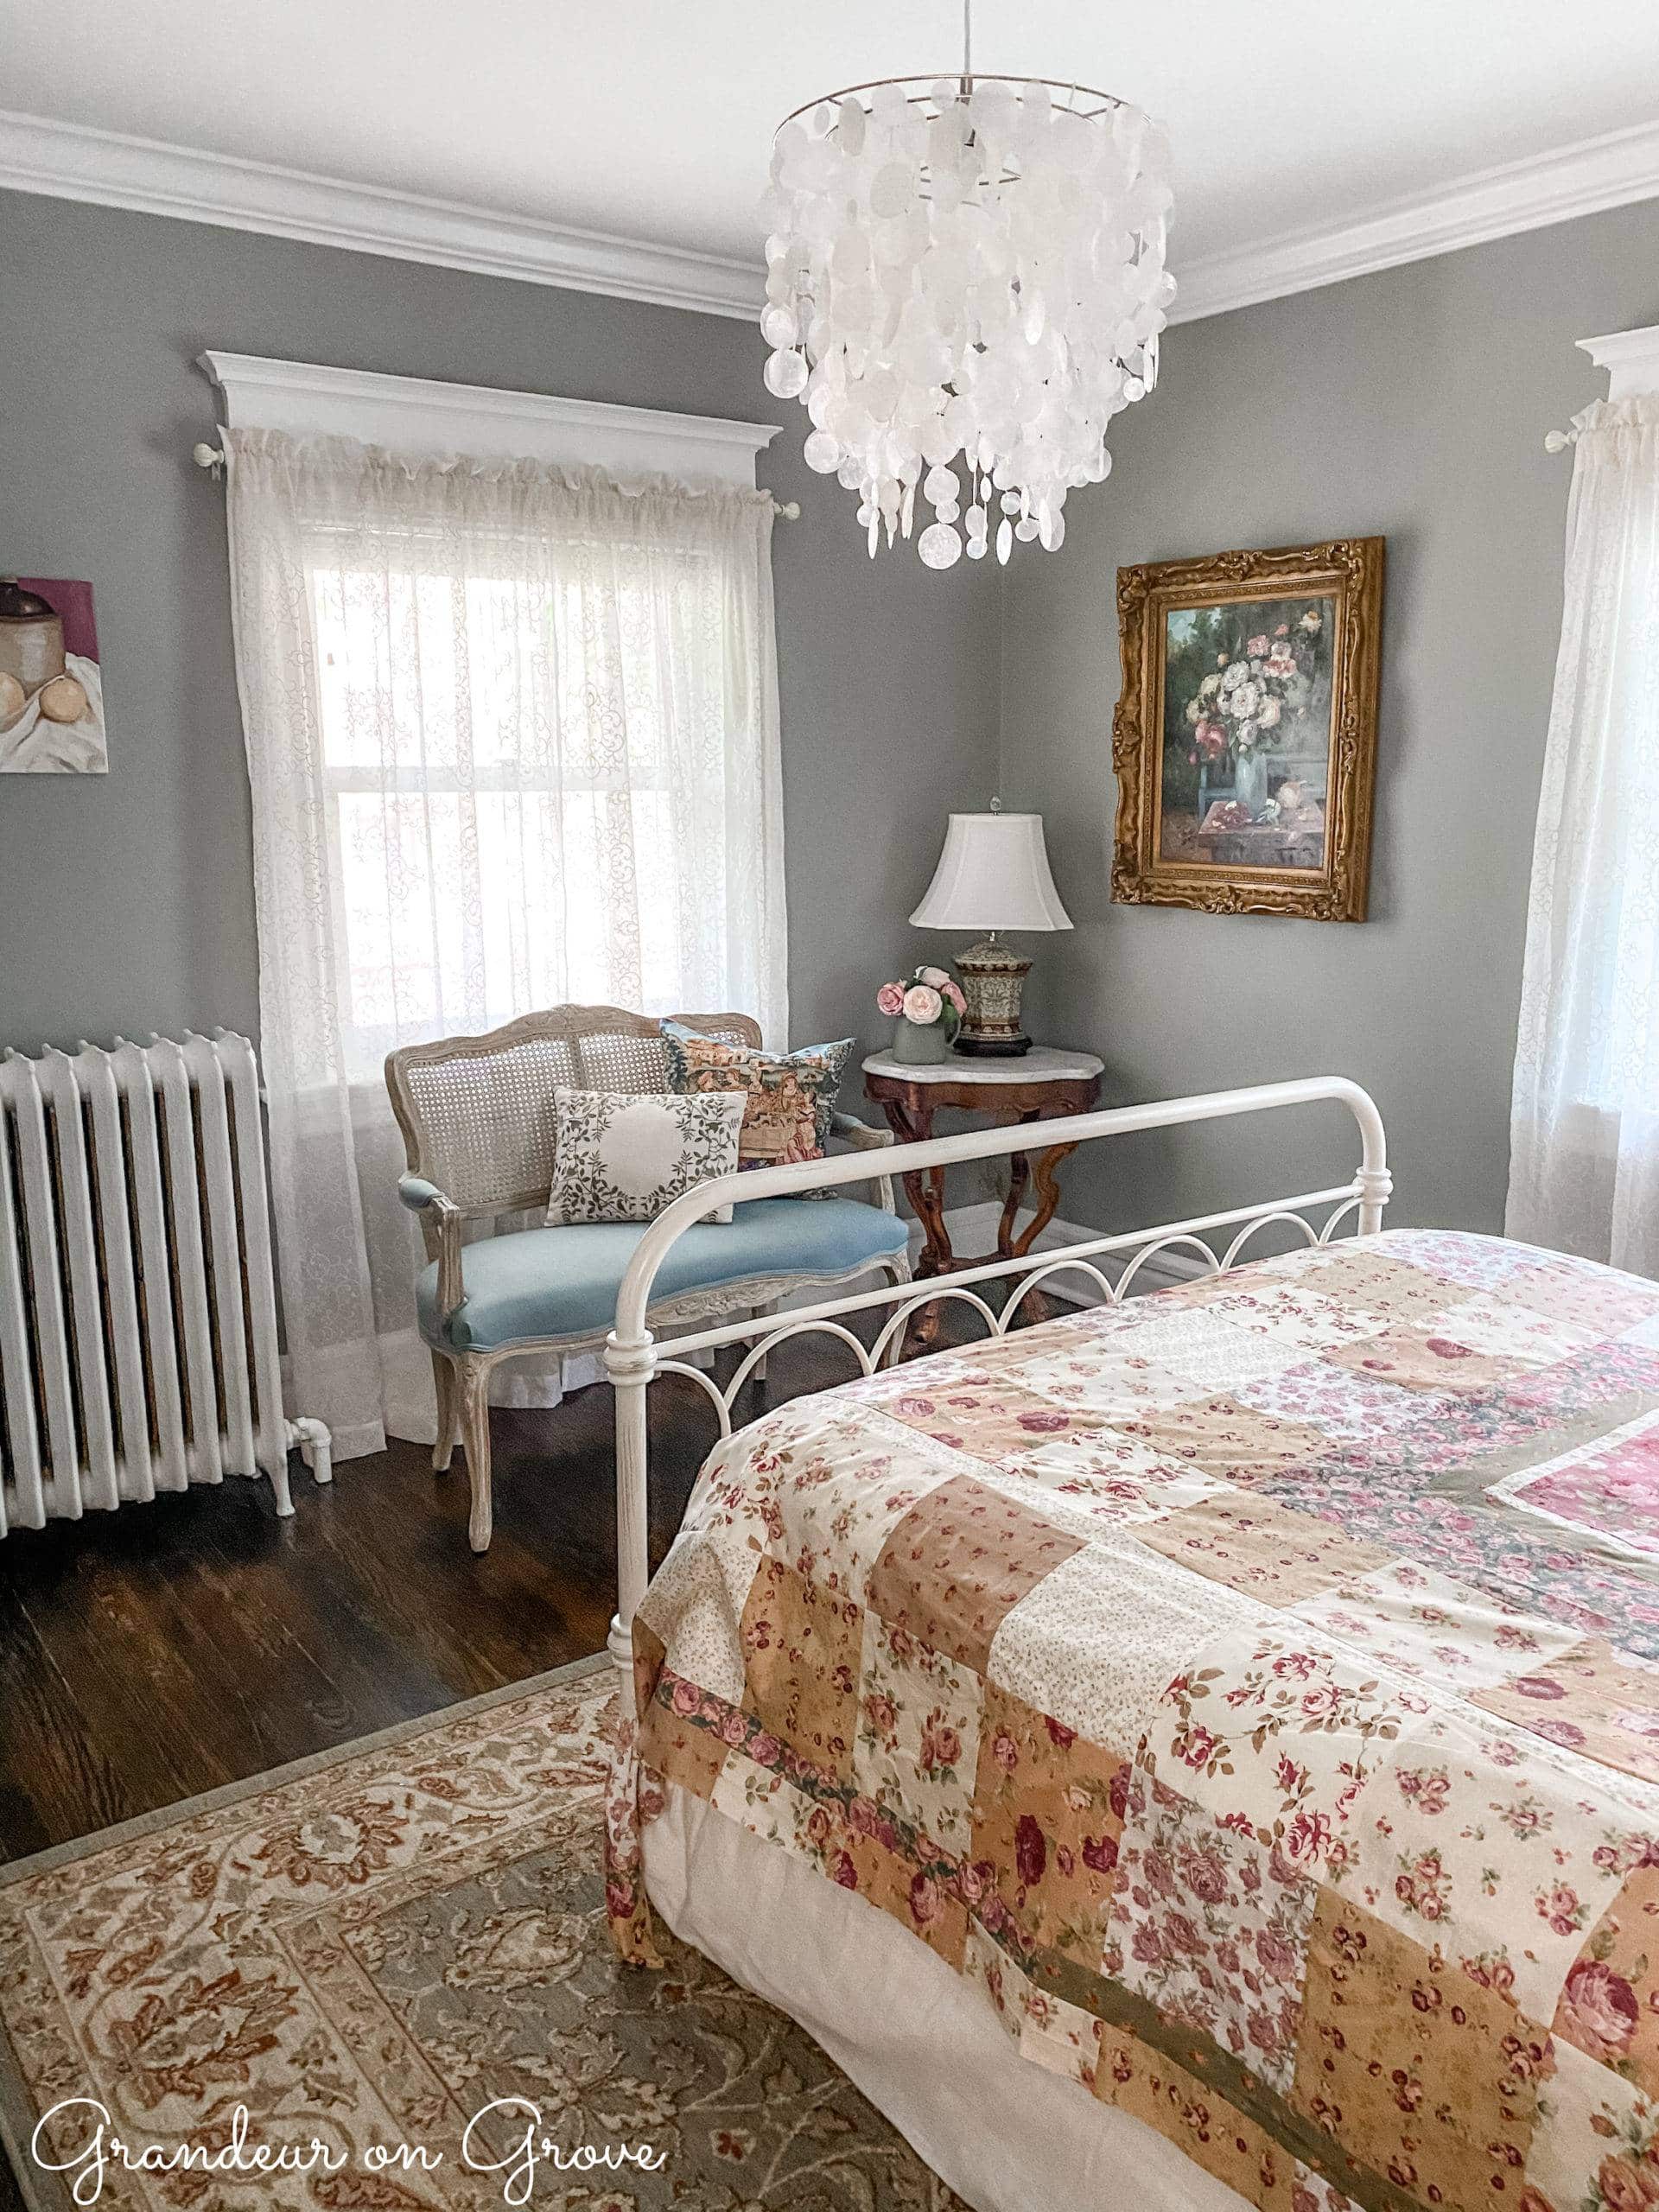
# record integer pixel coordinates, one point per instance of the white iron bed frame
(904, 2026)
(633, 1358)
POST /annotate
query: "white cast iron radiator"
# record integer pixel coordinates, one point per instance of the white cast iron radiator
(138, 1314)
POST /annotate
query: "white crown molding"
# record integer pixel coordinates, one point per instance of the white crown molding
(1631, 358)
(426, 420)
(67, 162)
(1579, 180)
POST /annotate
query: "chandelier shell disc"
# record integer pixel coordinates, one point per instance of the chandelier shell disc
(965, 283)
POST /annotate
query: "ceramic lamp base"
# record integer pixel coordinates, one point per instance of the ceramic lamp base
(992, 980)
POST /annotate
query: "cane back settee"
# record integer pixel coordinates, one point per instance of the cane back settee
(477, 1119)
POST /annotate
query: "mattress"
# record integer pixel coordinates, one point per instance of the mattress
(1247, 1697)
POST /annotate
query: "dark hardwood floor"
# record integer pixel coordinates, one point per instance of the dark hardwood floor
(151, 1654)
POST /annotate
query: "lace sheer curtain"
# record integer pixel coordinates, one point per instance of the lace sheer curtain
(1584, 1166)
(512, 735)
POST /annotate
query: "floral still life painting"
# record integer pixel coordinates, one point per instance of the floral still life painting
(51, 688)
(1246, 730)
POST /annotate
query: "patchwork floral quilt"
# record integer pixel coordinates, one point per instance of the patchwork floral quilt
(1254, 1688)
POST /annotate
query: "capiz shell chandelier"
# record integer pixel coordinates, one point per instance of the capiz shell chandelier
(965, 283)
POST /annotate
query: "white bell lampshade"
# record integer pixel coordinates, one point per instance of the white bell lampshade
(993, 876)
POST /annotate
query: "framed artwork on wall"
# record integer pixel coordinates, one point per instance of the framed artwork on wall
(51, 686)
(1245, 737)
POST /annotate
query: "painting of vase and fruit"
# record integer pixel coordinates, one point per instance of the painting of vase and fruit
(1247, 732)
(51, 688)
(1245, 735)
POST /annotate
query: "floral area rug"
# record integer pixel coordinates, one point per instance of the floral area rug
(390, 1969)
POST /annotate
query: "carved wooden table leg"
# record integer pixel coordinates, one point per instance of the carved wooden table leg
(1036, 1306)
(1048, 1085)
(1048, 1195)
(1018, 1175)
(926, 1194)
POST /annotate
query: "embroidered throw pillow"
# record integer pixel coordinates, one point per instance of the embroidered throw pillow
(789, 1097)
(627, 1156)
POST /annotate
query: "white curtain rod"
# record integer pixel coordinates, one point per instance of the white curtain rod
(212, 458)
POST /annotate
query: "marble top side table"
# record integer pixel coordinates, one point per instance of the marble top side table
(1041, 1086)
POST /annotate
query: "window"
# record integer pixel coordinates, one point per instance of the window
(512, 736)
(501, 797)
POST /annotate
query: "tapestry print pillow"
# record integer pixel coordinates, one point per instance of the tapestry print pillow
(789, 1097)
(627, 1156)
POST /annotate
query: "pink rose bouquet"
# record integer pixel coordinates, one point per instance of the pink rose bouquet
(927, 996)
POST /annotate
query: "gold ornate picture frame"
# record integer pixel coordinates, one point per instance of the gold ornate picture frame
(1245, 736)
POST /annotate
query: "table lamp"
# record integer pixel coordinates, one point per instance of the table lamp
(992, 875)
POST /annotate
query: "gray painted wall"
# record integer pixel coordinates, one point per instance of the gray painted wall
(1413, 403)
(126, 902)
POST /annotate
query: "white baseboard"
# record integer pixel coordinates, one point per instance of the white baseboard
(973, 1234)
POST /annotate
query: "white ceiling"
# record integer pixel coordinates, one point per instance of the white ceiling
(653, 118)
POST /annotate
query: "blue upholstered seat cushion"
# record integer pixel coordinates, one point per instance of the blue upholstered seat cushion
(563, 1282)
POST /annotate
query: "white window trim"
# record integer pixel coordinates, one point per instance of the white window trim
(426, 421)
(1631, 358)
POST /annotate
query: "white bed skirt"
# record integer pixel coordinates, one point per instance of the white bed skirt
(921, 2042)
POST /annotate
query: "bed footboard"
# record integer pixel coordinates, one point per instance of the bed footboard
(632, 1357)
